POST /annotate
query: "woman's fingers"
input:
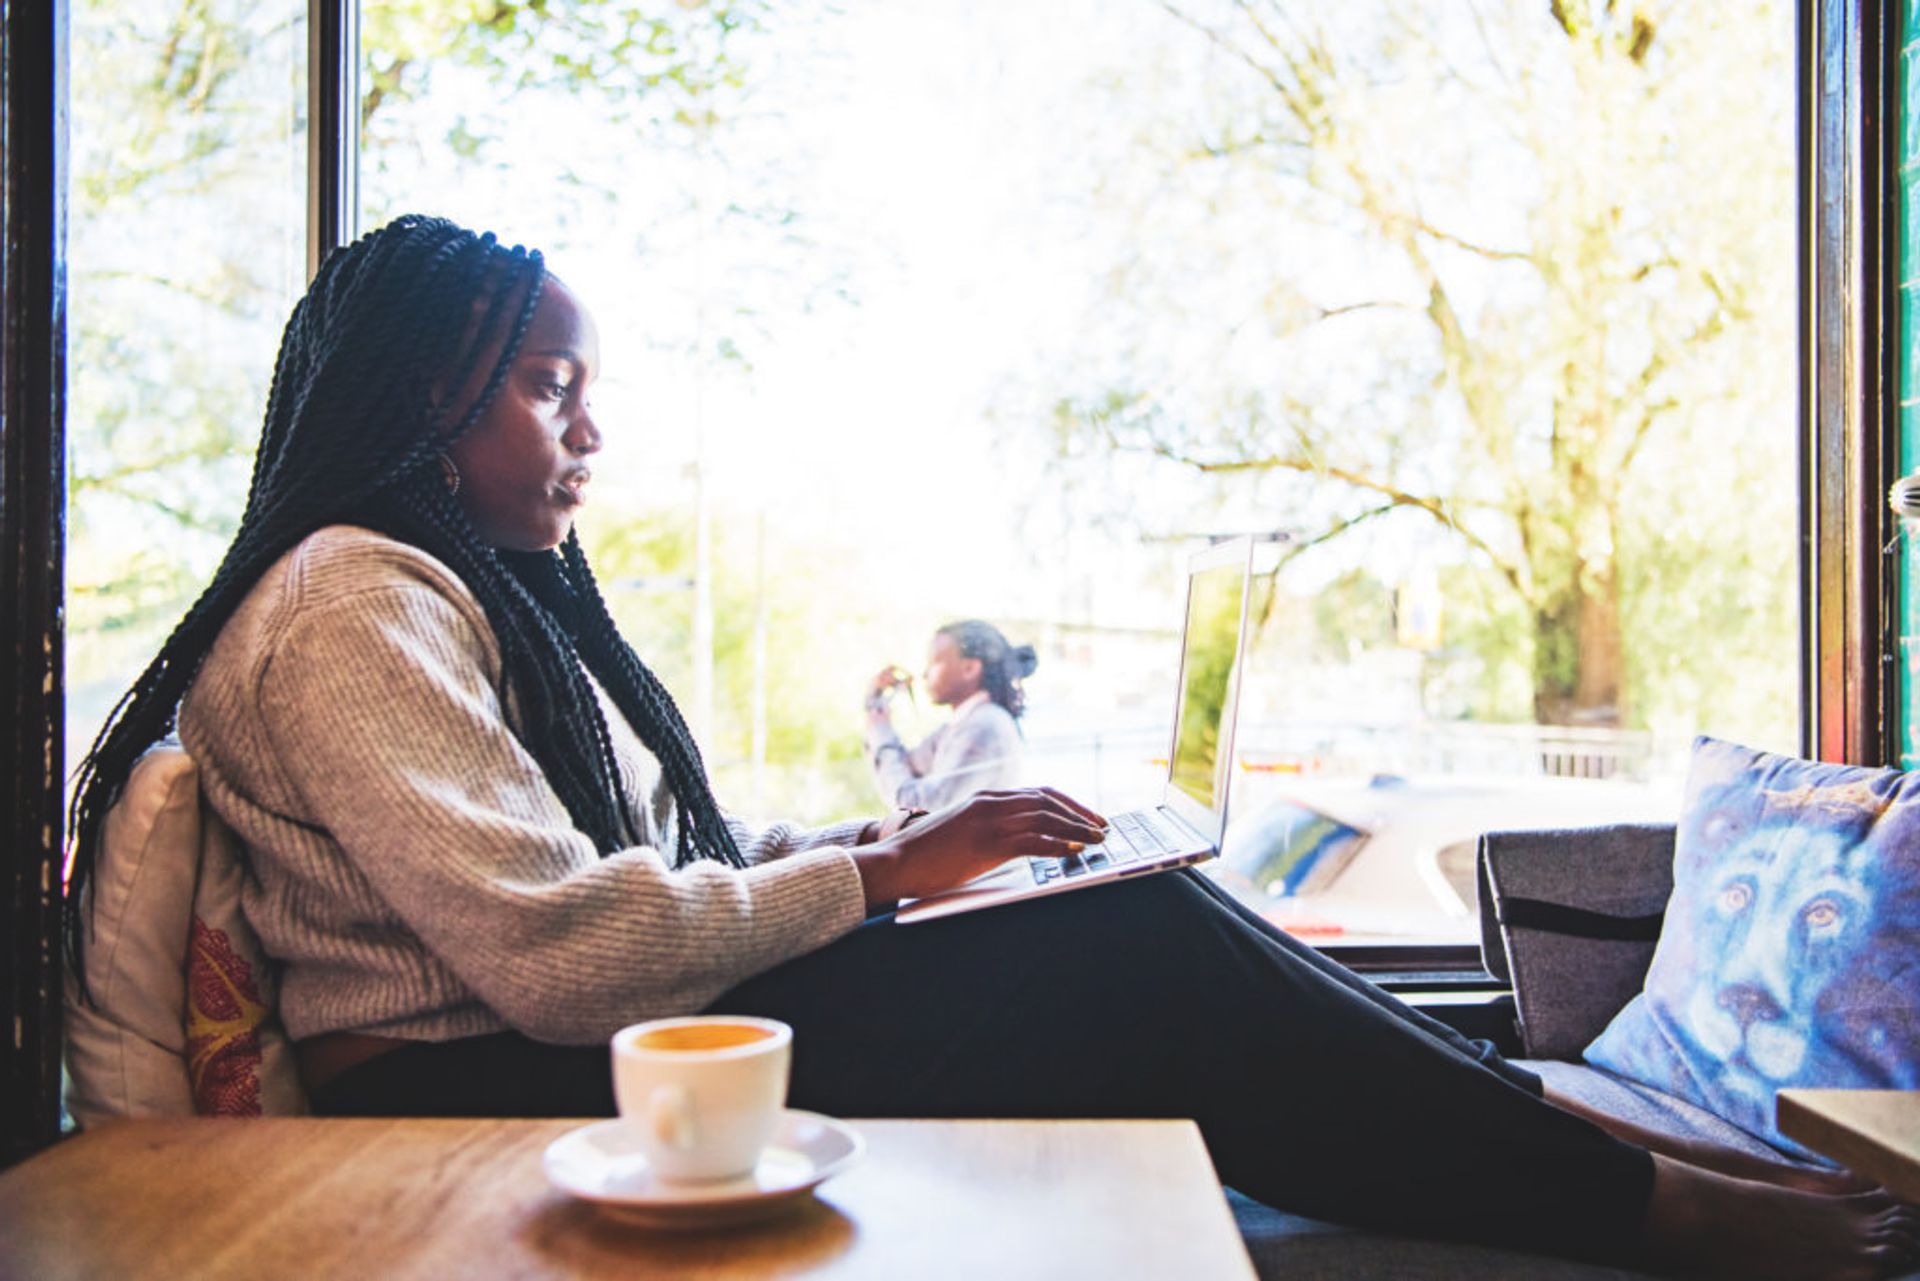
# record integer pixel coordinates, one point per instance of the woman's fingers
(992, 827)
(1061, 826)
(1091, 815)
(1043, 798)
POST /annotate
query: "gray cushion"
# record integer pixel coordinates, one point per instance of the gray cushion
(1631, 1101)
(1493, 948)
(1566, 987)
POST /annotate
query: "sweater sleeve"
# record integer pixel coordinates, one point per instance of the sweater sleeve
(386, 726)
(778, 840)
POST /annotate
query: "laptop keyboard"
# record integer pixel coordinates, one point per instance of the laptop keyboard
(1130, 838)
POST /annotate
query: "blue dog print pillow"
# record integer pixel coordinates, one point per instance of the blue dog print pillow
(1790, 954)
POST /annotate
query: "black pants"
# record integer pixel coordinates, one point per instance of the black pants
(1316, 1092)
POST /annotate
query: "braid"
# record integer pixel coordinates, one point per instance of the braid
(644, 701)
(352, 434)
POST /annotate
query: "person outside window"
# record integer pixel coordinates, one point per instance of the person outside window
(972, 669)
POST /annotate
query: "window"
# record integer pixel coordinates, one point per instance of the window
(1485, 317)
(1848, 85)
(187, 250)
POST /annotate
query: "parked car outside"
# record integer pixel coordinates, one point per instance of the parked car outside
(1387, 859)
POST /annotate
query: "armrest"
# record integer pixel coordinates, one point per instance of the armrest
(1571, 918)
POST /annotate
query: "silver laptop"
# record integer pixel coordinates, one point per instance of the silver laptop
(1186, 826)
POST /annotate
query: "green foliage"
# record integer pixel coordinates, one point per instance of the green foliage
(184, 247)
(646, 566)
(188, 240)
(1708, 646)
(1356, 608)
(1483, 671)
(639, 62)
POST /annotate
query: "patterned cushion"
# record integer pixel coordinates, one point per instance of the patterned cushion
(180, 1017)
(230, 1024)
(1790, 955)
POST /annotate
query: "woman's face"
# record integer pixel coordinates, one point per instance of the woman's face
(949, 678)
(523, 465)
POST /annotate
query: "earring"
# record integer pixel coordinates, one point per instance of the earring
(452, 474)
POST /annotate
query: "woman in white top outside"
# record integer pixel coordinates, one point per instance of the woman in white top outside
(972, 669)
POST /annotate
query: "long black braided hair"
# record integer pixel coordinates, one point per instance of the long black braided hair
(353, 434)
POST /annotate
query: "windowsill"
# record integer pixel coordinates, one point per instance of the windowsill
(1441, 967)
(1448, 984)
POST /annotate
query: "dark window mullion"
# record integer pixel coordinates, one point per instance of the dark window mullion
(1850, 406)
(333, 127)
(33, 149)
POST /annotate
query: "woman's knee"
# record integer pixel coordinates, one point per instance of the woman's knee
(1136, 901)
(1127, 913)
(1054, 951)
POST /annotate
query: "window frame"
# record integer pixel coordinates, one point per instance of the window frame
(33, 152)
(1847, 72)
(1849, 358)
(333, 133)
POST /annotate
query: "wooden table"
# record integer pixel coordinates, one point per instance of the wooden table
(1873, 1132)
(364, 1199)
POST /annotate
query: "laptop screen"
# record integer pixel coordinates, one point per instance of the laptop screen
(1212, 639)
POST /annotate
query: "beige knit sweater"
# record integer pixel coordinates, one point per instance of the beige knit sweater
(410, 867)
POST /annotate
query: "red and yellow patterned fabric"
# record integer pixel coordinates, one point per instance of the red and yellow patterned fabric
(224, 1014)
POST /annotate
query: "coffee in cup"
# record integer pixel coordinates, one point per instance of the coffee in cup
(702, 1095)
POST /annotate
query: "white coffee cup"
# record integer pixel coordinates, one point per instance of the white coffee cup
(702, 1095)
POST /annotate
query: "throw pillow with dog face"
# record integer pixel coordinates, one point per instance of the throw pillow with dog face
(1790, 954)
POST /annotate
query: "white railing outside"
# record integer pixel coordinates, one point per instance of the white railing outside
(1125, 765)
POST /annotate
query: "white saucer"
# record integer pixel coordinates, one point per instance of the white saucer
(603, 1163)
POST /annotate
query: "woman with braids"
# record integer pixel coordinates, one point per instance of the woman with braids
(480, 840)
(972, 669)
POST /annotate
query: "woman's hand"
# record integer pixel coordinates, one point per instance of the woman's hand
(952, 847)
(880, 693)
